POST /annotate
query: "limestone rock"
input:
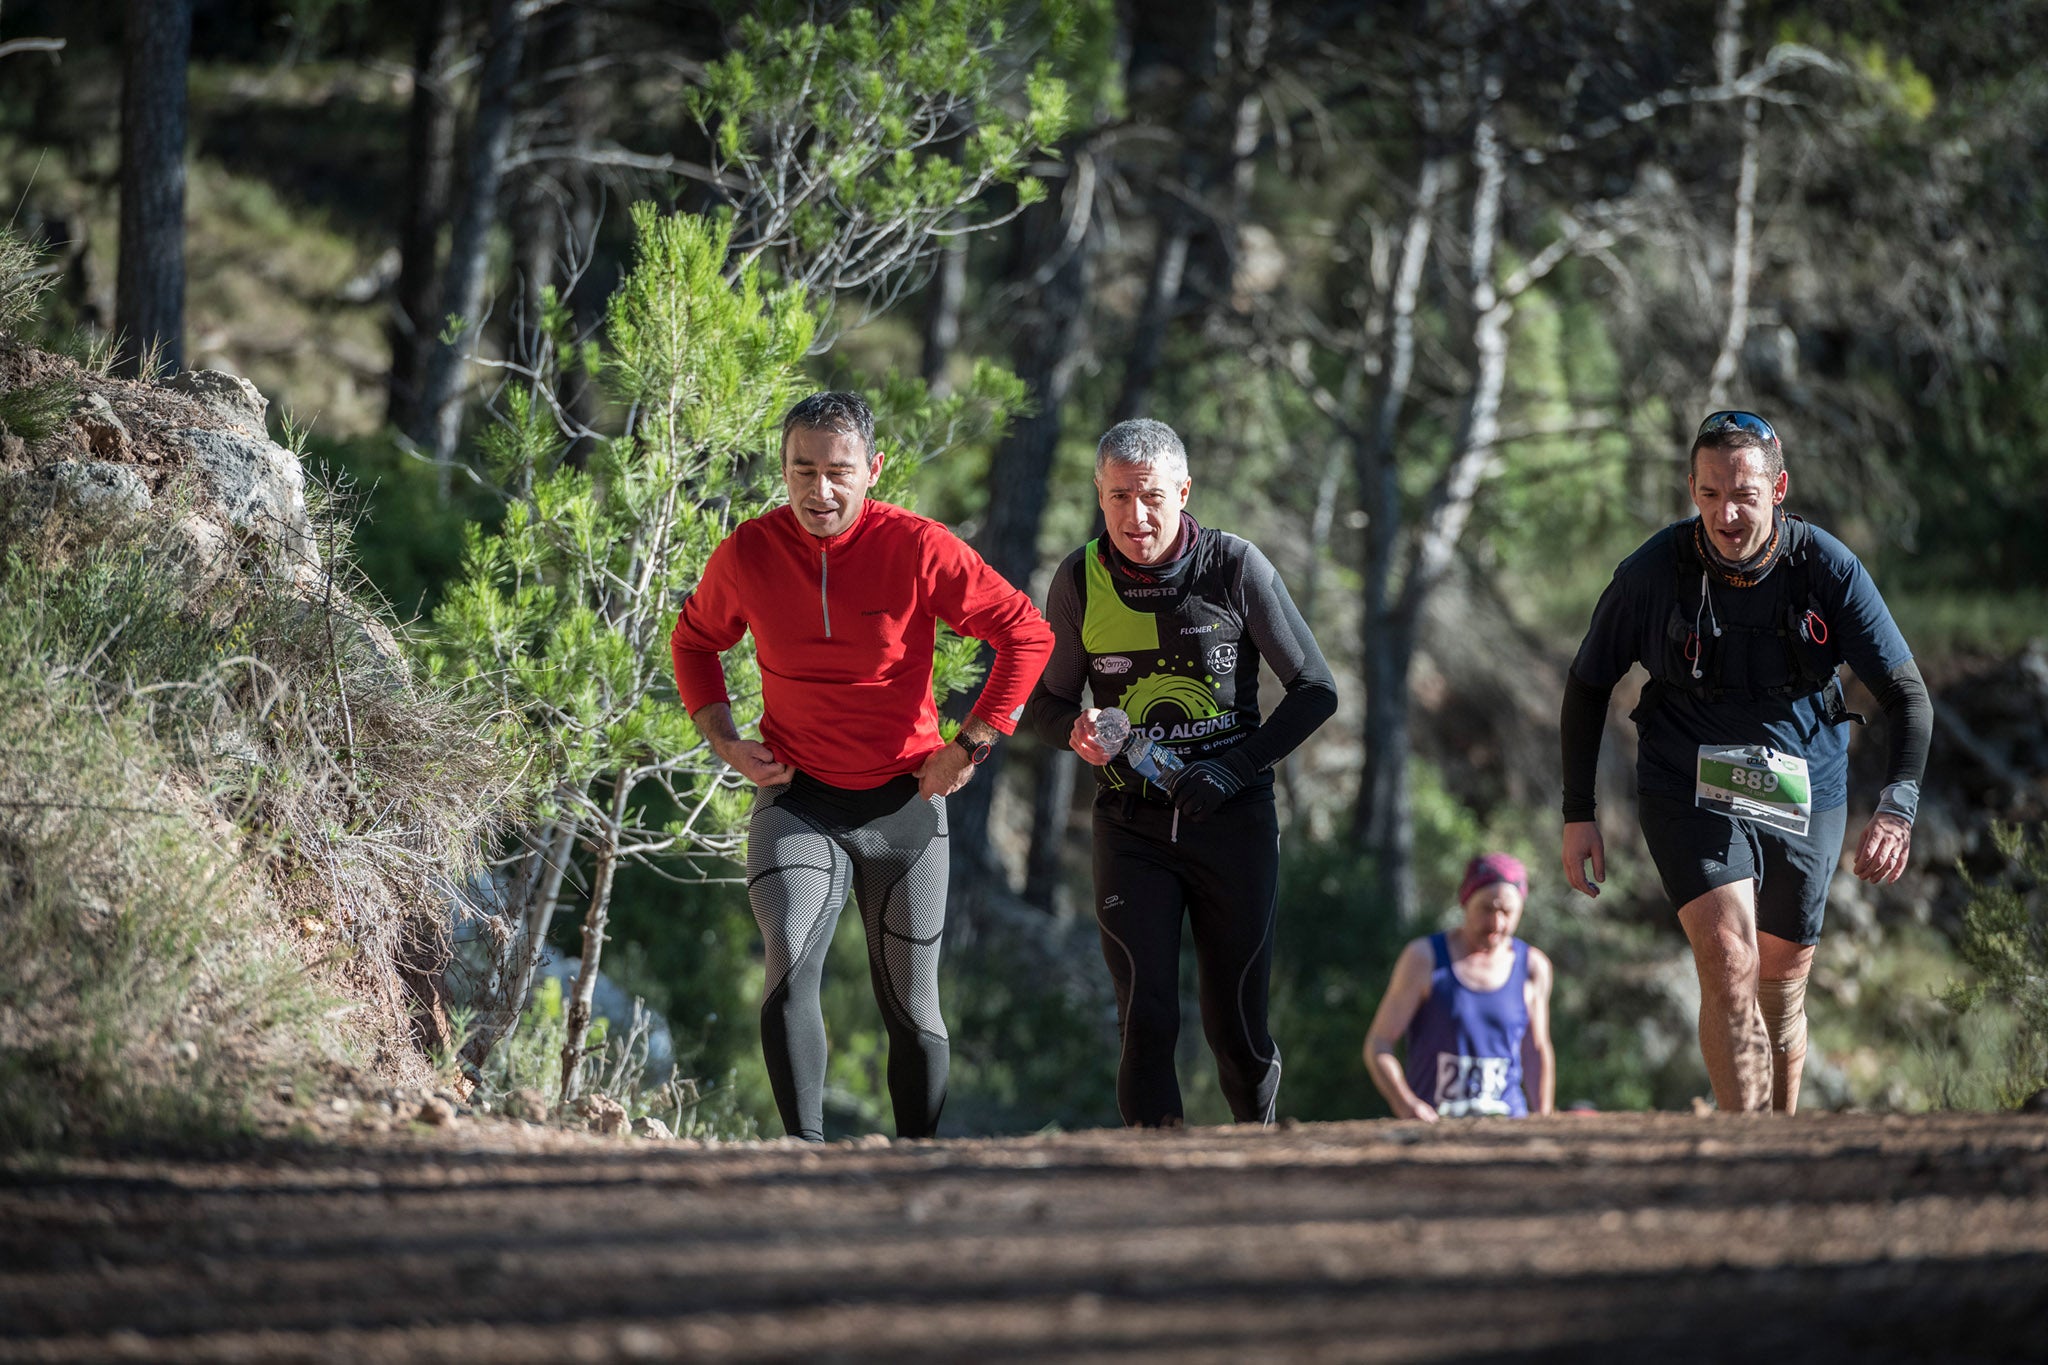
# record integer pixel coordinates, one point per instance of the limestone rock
(228, 396)
(200, 550)
(527, 1103)
(652, 1127)
(602, 1114)
(105, 434)
(99, 494)
(258, 485)
(436, 1111)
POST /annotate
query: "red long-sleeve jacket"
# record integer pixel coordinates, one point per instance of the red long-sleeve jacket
(843, 631)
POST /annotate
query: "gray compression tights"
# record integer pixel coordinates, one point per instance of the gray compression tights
(800, 866)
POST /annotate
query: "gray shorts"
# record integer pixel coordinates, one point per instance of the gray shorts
(1697, 850)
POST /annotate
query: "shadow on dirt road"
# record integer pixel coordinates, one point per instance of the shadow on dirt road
(1612, 1237)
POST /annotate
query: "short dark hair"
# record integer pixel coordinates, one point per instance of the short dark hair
(845, 413)
(1738, 430)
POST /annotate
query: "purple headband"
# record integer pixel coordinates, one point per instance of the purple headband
(1488, 868)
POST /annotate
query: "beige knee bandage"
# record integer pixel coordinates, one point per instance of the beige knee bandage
(1784, 1009)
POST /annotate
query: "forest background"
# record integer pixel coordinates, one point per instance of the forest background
(1435, 293)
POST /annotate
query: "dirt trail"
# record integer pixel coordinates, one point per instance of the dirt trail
(1621, 1237)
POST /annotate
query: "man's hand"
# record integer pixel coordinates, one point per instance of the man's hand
(1202, 787)
(1882, 853)
(1422, 1109)
(1582, 841)
(1082, 739)
(944, 771)
(755, 762)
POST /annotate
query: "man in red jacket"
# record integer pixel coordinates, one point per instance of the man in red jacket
(842, 593)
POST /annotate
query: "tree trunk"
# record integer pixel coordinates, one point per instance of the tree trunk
(1445, 513)
(1388, 832)
(438, 423)
(429, 169)
(593, 940)
(1162, 301)
(528, 911)
(1056, 255)
(943, 300)
(539, 222)
(149, 285)
(1053, 776)
(1742, 249)
(1384, 820)
(1376, 821)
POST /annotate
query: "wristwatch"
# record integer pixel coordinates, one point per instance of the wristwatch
(976, 752)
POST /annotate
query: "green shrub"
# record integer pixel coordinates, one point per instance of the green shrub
(36, 410)
(2005, 943)
(531, 1059)
(23, 282)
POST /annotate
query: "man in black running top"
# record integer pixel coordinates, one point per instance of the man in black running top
(1168, 621)
(1741, 615)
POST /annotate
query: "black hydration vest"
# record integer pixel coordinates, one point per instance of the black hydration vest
(1694, 663)
(1184, 669)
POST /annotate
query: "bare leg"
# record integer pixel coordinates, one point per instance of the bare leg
(1782, 971)
(1722, 928)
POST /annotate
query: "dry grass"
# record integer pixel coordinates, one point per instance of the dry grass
(230, 820)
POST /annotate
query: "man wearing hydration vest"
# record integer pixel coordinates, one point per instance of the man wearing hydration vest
(1742, 615)
(1168, 621)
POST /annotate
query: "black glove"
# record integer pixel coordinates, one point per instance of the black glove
(1205, 785)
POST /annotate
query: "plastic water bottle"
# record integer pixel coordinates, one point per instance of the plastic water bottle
(1152, 761)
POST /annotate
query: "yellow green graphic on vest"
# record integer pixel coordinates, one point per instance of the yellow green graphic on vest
(1107, 625)
(1167, 706)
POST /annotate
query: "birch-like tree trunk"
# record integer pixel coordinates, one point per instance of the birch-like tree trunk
(1742, 249)
(1381, 823)
(1385, 814)
(944, 299)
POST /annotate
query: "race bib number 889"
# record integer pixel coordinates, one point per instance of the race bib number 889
(1755, 783)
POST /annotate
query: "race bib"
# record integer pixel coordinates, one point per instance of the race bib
(1467, 1087)
(1755, 783)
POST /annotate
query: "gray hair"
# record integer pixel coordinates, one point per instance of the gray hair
(1146, 443)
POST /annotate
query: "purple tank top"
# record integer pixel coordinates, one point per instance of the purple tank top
(1465, 1046)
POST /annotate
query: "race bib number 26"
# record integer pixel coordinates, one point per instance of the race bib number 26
(1755, 783)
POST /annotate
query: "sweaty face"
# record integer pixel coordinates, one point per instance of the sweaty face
(1141, 507)
(1491, 914)
(1735, 497)
(828, 476)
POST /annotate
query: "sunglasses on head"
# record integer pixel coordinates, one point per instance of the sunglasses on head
(1748, 423)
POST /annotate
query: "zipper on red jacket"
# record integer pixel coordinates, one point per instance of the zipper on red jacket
(824, 602)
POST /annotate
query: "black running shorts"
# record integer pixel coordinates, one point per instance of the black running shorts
(1697, 850)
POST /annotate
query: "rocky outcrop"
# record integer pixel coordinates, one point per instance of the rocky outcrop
(94, 493)
(256, 487)
(229, 397)
(200, 440)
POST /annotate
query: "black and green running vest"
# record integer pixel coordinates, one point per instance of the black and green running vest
(1175, 659)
